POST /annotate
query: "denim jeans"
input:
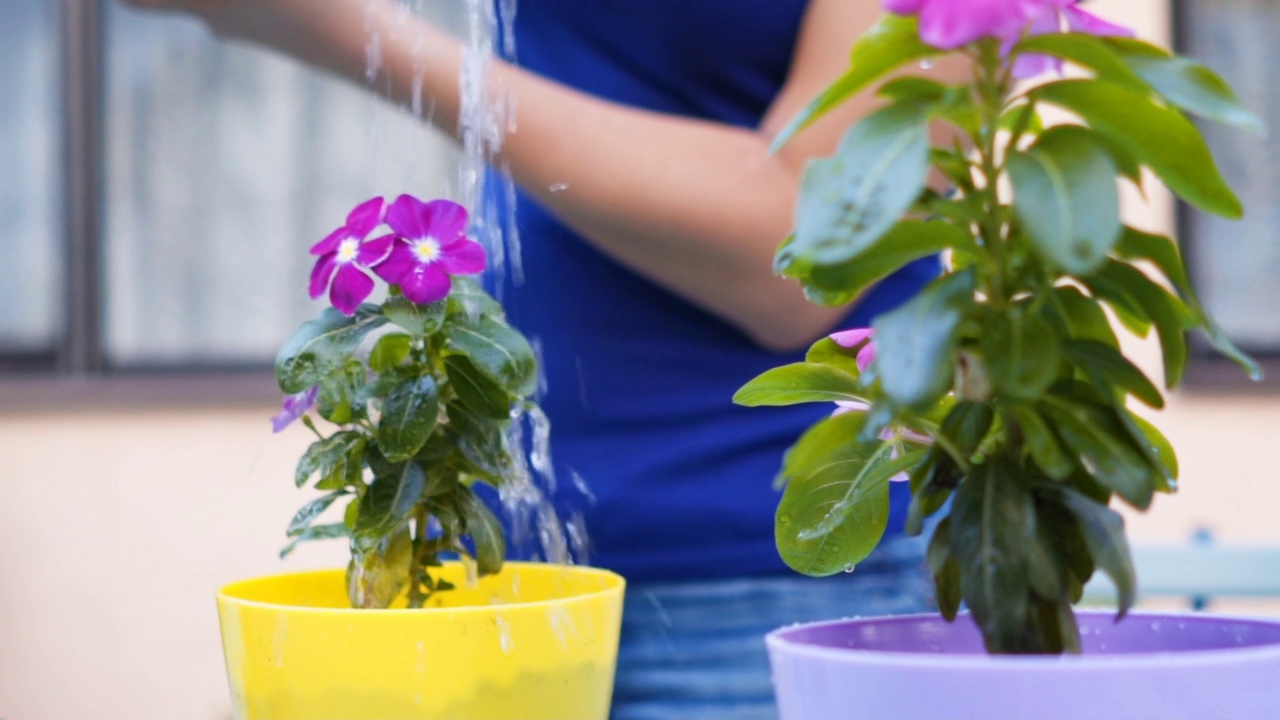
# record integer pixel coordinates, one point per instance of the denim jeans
(695, 650)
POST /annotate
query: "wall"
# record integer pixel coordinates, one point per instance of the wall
(118, 525)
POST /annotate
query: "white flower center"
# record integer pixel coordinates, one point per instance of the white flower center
(347, 250)
(426, 251)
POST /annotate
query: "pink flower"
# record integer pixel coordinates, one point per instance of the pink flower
(949, 24)
(430, 245)
(295, 406)
(851, 339)
(344, 252)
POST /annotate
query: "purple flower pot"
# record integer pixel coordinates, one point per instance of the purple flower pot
(1148, 667)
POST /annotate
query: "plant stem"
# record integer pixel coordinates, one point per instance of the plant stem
(992, 83)
(421, 553)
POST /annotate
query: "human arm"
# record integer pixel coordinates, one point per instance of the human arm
(696, 206)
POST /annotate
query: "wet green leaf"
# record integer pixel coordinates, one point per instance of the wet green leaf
(315, 532)
(337, 459)
(419, 320)
(1186, 83)
(387, 504)
(849, 201)
(322, 346)
(312, 510)
(409, 415)
(389, 352)
(1084, 317)
(1043, 444)
(485, 531)
(496, 350)
(945, 571)
(475, 389)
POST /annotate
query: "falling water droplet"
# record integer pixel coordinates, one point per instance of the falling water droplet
(848, 568)
(926, 64)
(558, 187)
(504, 634)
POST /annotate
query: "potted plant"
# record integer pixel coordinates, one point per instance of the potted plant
(422, 391)
(1000, 391)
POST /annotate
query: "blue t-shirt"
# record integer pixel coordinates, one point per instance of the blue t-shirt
(639, 381)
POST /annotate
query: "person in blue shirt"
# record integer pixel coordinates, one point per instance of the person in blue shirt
(649, 211)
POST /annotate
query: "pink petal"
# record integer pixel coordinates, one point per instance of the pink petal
(398, 263)
(949, 24)
(850, 339)
(350, 288)
(375, 251)
(866, 356)
(462, 257)
(330, 243)
(426, 284)
(903, 7)
(1080, 21)
(444, 220)
(1047, 21)
(321, 274)
(365, 217)
(405, 217)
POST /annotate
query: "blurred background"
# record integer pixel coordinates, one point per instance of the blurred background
(161, 190)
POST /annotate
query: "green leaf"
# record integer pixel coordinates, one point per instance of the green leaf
(908, 241)
(945, 571)
(987, 533)
(892, 43)
(1161, 138)
(485, 531)
(1043, 444)
(322, 346)
(1163, 253)
(1158, 448)
(497, 350)
(315, 532)
(916, 343)
(468, 298)
(1065, 196)
(831, 354)
(1088, 51)
(409, 415)
(1103, 532)
(389, 353)
(799, 383)
(480, 439)
(1022, 354)
(336, 458)
(1188, 84)
(420, 320)
(387, 503)
(475, 389)
(849, 201)
(912, 87)
(1170, 315)
(1094, 434)
(376, 576)
(1084, 316)
(312, 510)
(836, 504)
(1114, 369)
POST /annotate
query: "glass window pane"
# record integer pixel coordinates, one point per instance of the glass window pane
(224, 165)
(30, 246)
(1235, 264)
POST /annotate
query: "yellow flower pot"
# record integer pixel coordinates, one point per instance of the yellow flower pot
(535, 642)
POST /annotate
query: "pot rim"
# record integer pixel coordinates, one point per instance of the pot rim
(226, 594)
(778, 641)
